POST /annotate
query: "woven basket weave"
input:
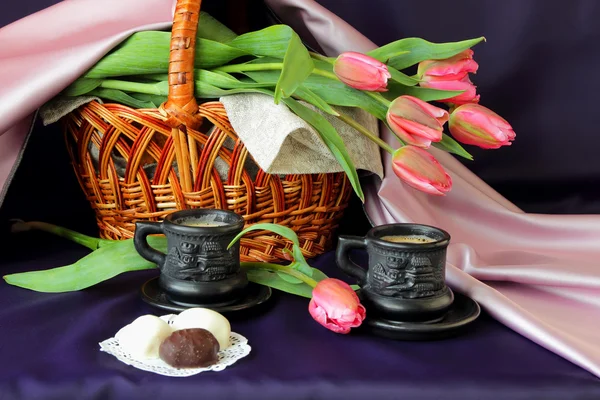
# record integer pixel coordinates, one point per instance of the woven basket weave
(142, 164)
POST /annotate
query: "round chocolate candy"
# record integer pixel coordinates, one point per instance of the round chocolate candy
(190, 348)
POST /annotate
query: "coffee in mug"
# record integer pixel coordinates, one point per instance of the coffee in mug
(408, 239)
(202, 223)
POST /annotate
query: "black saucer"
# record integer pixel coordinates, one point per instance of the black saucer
(254, 295)
(463, 311)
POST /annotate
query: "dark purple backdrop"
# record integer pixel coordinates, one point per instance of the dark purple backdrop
(538, 69)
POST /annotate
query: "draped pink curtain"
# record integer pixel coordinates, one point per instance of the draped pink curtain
(43, 53)
(538, 274)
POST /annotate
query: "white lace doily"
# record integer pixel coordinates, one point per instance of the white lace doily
(238, 349)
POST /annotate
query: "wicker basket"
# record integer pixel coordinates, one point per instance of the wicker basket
(142, 164)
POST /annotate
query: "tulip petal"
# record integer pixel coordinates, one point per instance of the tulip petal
(421, 170)
(320, 315)
(361, 72)
(412, 139)
(450, 69)
(336, 306)
(416, 129)
(438, 113)
(470, 91)
(479, 126)
(407, 108)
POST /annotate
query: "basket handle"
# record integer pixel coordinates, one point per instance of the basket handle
(181, 106)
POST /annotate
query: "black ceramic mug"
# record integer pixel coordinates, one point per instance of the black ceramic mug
(406, 278)
(198, 268)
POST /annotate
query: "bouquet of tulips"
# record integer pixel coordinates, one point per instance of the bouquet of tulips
(273, 61)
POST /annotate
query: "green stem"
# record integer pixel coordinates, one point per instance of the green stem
(126, 86)
(379, 98)
(366, 132)
(325, 74)
(281, 268)
(249, 67)
(318, 56)
(91, 243)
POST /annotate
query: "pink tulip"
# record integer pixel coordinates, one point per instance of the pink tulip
(451, 74)
(416, 122)
(479, 126)
(419, 169)
(451, 69)
(468, 96)
(336, 306)
(361, 72)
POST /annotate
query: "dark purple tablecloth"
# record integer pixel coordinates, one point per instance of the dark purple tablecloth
(49, 350)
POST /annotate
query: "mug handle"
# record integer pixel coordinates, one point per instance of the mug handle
(140, 242)
(345, 244)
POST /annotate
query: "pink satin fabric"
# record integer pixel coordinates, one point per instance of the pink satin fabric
(43, 53)
(12, 144)
(537, 274)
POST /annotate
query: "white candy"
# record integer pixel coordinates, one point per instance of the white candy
(207, 319)
(142, 337)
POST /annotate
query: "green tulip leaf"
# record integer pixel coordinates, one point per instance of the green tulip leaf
(103, 263)
(156, 100)
(279, 42)
(301, 265)
(81, 86)
(426, 94)
(280, 230)
(452, 146)
(273, 41)
(401, 77)
(224, 81)
(419, 50)
(289, 278)
(332, 139)
(297, 66)
(135, 100)
(148, 53)
(318, 275)
(310, 97)
(210, 28)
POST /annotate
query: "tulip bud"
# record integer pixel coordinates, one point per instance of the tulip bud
(479, 126)
(419, 169)
(469, 94)
(361, 72)
(416, 122)
(451, 74)
(451, 69)
(336, 306)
